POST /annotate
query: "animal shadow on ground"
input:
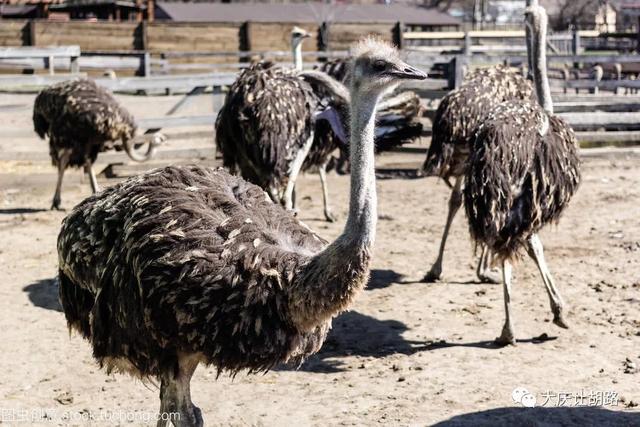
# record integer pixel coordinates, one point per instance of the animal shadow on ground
(398, 173)
(44, 294)
(360, 335)
(381, 279)
(583, 416)
(16, 211)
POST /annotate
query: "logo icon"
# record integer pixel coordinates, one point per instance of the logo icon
(521, 395)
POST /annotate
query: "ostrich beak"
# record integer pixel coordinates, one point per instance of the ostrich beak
(404, 71)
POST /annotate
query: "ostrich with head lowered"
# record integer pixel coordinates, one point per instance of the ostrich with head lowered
(188, 265)
(81, 120)
(523, 170)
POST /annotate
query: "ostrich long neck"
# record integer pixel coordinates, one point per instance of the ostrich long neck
(297, 54)
(539, 59)
(529, 41)
(327, 284)
(360, 229)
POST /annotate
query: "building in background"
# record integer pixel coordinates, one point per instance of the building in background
(61, 10)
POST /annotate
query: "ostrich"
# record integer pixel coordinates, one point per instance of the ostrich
(81, 120)
(188, 265)
(524, 169)
(266, 126)
(459, 114)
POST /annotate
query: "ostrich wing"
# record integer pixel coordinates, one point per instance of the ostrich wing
(185, 258)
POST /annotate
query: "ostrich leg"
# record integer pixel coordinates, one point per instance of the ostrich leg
(322, 171)
(485, 273)
(88, 168)
(296, 165)
(507, 337)
(175, 397)
(63, 160)
(536, 251)
(455, 201)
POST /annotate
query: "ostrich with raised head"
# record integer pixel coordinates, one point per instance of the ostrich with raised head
(188, 265)
(458, 116)
(523, 170)
(81, 120)
(266, 126)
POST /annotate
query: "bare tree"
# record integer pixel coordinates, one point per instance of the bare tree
(578, 13)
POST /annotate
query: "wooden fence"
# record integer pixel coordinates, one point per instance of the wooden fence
(193, 36)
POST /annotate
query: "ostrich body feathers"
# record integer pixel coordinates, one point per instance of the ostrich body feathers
(462, 110)
(267, 117)
(518, 179)
(195, 260)
(81, 116)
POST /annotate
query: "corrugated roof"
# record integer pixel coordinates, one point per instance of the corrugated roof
(302, 12)
(17, 9)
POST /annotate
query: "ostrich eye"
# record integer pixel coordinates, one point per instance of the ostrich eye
(379, 65)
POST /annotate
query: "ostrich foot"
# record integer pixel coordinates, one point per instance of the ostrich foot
(329, 216)
(493, 275)
(559, 320)
(433, 275)
(189, 417)
(506, 338)
(55, 205)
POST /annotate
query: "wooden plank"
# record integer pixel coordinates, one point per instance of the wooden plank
(623, 120)
(167, 82)
(39, 52)
(14, 81)
(620, 137)
(177, 121)
(88, 35)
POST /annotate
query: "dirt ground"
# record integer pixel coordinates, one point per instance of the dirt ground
(408, 353)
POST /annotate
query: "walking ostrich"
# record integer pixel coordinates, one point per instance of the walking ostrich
(459, 114)
(81, 120)
(524, 169)
(188, 265)
(266, 126)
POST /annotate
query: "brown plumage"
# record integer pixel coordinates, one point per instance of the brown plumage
(265, 129)
(456, 120)
(523, 170)
(184, 265)
(519, 180)
(462, 110)
(243, 251)
(81, 120)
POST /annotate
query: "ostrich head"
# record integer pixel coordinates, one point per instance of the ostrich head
(298, 35)
(377, 68)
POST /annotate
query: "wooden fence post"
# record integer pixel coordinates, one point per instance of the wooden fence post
(467, 44)
(456, 71)
(323, 36)
(146, 64)
(575, 45)
(32, 32)
(244, 37)
(75, 65)
(398, 35)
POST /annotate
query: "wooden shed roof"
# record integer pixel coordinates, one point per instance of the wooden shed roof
(302, 12)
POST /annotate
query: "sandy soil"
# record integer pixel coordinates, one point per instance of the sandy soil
(408, 353)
